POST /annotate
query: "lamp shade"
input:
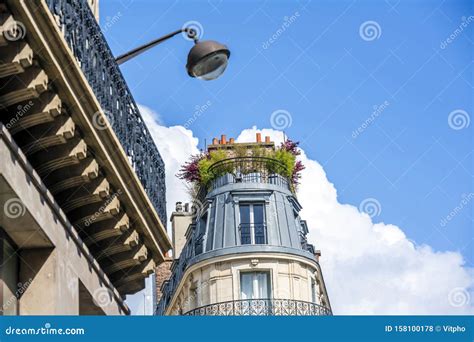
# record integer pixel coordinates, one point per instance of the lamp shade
(207, 60)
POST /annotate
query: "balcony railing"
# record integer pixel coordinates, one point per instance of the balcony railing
(85, 38)
(249, 170)
(256, 230)
(261, 307)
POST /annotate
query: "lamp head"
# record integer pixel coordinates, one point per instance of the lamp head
(207, 60)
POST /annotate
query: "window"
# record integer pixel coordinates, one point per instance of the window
(200, 234)
(313, 291)
(253, 229)
(255, 285)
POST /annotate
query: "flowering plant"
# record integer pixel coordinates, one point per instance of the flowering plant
(197, 169)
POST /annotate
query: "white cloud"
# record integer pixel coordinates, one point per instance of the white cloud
(373, 268)
(175, 144)
(369, 268)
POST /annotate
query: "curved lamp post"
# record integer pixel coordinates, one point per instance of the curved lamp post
(207, 59)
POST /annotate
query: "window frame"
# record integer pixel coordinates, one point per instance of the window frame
(254, 272)
(252, 223)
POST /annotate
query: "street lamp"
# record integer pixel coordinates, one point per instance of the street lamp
(207, 59)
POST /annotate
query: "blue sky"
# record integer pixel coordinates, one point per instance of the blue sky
(328, 75)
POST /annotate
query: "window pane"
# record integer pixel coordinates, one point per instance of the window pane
(245, 224)
(244, 213)
(258, 213)
(246, 285)
(210, 233)
(202, 224)
(255, 285)
(260, 233)
(245, 234)
(262, 285)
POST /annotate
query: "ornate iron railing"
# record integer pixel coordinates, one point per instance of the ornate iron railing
(249, 170)
(261, 307)
(91, 50)
(256, 230)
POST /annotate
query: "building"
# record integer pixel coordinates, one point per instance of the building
(241, 247)
(82, 189)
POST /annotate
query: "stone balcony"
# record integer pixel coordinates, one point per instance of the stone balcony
(68, 108)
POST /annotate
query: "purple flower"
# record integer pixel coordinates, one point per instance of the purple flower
(190, 170)
(291, 146)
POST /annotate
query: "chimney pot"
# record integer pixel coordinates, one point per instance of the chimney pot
(186, 207)
(214, 141)
(179, 206)
(231, 140)
(259, 137)
(223, 139)
(267, 139)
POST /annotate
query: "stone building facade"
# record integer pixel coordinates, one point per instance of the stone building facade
(246, 251)
(82, 195)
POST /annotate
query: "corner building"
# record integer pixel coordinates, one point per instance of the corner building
(241, 248)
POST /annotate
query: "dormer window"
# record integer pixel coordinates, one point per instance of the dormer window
(253, 228)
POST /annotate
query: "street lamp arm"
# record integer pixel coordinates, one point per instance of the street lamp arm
(135, 52)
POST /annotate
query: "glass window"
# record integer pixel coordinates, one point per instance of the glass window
(255, 285)
(200, 233)
(252, 224)
(210, 231)
(245, 213)
(258, 213)
(313, 291)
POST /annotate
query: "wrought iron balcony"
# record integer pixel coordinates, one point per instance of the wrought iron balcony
(261, 307)
(249, 170)
(88, 44)
(256, 230)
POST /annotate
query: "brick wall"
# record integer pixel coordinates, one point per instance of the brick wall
(162, 273)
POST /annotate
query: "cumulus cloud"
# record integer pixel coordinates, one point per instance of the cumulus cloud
(369, 268)
(175, 144)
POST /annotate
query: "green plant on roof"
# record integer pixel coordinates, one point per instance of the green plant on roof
(283, 161)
